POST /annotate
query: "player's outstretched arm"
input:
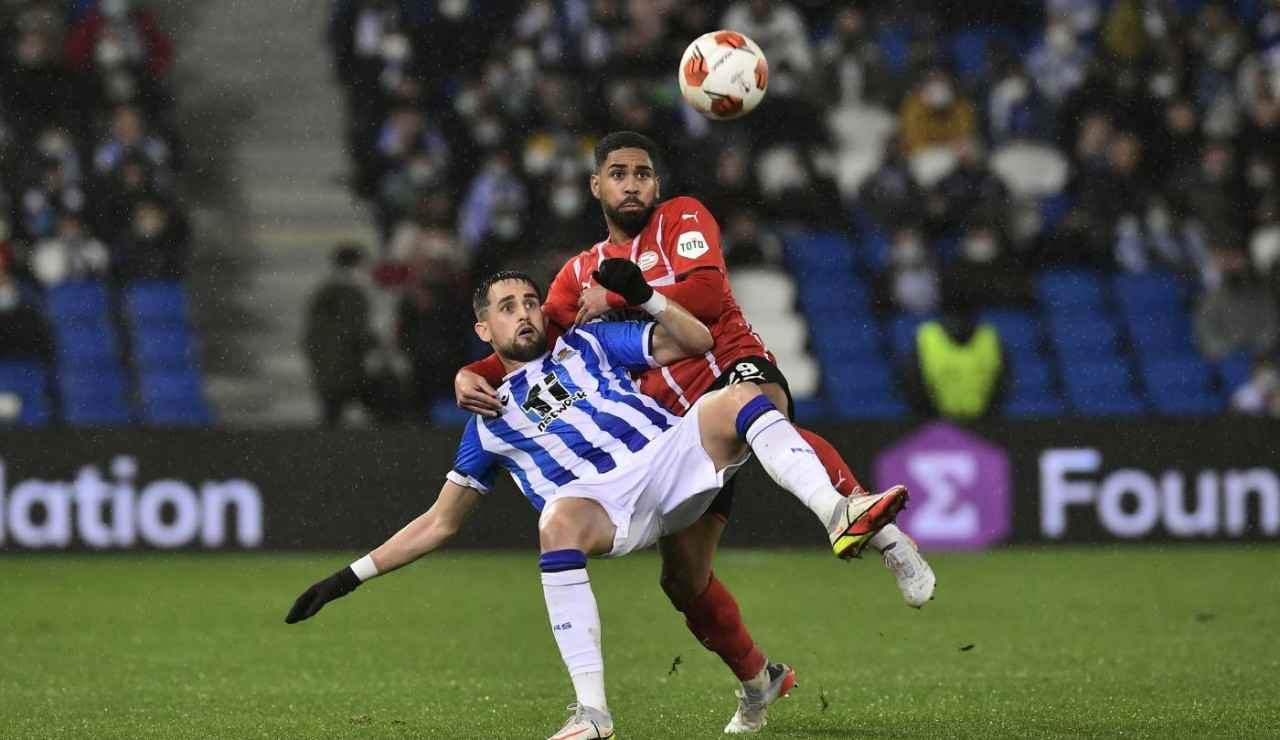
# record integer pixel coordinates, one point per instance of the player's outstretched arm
(419, 537)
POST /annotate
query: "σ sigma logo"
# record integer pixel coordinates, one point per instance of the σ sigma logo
(960, 487)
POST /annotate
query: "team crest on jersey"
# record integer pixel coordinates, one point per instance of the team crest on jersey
(564, 354)
(692, 245)
(647, 260)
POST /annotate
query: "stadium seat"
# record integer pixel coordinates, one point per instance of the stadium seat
(1034, 407)
(445, 413)
(894, 42)
(164, 348)
(1020, 331)
(173, 399)
(29, 382)
(94, 397)
(868, 406)
(902, 332)
(1160, 334)
(1101, 387)
(811, 409)
(1147, 292)
(969, 54)
(1084, 336)
(1030, 376)
(1234, 371)
(844, 337)
(156, 303)
(78, 303)
(825, 304)
(1069, 291)
(1180, 385)
(867, 374)
(763, 290)
(84, 346)
(808, 254)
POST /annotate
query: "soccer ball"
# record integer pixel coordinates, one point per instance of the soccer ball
(723, 75)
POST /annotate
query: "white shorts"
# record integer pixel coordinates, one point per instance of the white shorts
(665, 488)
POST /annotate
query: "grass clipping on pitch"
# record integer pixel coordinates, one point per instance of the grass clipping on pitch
(1140, 642)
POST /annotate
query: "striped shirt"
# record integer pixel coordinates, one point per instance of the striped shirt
(572, 414)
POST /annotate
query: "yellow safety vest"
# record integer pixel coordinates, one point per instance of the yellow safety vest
(960, 377)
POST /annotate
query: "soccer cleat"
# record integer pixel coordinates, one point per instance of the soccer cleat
(861, 518)
(915, 577)
(587, 723)
(752, 714)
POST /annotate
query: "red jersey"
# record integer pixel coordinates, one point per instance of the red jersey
(681, 240)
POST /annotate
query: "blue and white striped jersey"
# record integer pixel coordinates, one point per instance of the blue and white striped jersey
(573, 413)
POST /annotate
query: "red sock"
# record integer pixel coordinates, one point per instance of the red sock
(841, 476)
(715, 620)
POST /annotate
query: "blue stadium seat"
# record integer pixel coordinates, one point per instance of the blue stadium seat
(156, 303)
(894, 43)
(1101, 387)
(868, 406)
(445, 413)
(1069, 291)
(1084, 336)
(811, 409)
(94, 397)
(1020, 331)
(1053, 209)
(809, 254)
(1030, 376)
(868, 375)
(969, 54)
(1234, 371)
(84, 345)
(823, 303)
(29, 381)
(78, 303)
(172, 398)
(1159, 334)
(1180, 385)
(1034, 407)
(1147, 292)
(843, 336)
(164, 348)
(902, 332)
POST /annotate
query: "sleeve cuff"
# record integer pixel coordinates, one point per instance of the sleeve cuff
(466, 481)
(648, 344)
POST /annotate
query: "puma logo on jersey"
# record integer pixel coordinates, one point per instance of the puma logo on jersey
(693, 216)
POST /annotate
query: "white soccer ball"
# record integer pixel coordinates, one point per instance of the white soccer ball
(723, 75)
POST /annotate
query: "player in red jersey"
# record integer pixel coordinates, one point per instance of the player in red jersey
(677, 246)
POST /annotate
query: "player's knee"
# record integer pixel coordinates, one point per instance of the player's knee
(740, 395)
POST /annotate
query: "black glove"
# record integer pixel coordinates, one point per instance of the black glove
(624, 278)
(322, 592)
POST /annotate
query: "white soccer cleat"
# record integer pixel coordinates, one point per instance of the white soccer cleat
(861, 518)
(903, 559)
(752, 714)
(587, 723)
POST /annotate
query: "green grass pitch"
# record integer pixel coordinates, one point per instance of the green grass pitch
(1079, 642)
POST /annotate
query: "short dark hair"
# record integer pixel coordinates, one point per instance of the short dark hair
(625, 140)
(480, 299)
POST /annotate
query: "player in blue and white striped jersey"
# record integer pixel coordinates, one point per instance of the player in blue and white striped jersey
(608, 469)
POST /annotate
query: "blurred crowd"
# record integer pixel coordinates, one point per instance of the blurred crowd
(88, 156)
(965, 146)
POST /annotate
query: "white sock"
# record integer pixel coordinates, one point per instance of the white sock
(791, 463)
(575, 623)
(887, 537)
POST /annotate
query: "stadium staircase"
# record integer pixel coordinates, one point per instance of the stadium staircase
(264, 123)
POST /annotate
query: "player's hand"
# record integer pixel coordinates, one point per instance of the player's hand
(625, 278)
(592, 304)
(475, 394)
(322, 592)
